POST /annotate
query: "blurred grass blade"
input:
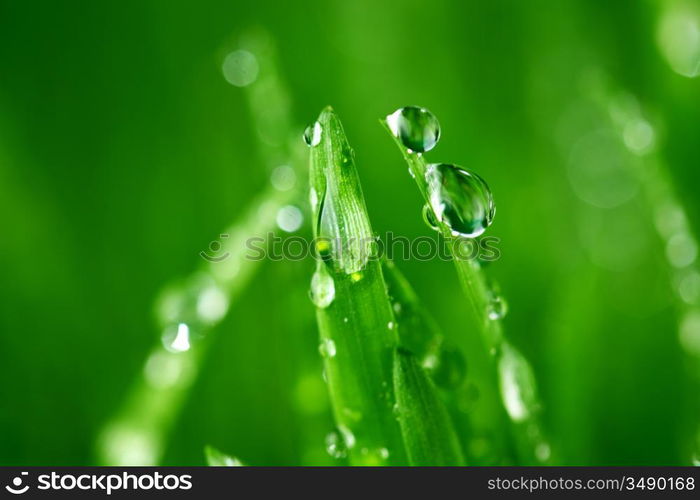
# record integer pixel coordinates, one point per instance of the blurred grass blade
(526, 426)
(471, 396)
(216, 458)
(428, 433)
(189, 310)
(356, 323)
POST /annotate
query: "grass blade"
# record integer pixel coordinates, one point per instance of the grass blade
(426, 426)
(518, 392)
(355, 319)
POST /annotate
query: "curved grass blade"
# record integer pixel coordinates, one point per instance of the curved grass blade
(355, 319)
(518, 392)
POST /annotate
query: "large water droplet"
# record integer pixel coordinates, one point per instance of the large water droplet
(322, 288)
(312, 134)
(460, 199)
(446, 365)
(327, 348)
(417, 128)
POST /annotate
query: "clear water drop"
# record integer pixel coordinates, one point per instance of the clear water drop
(497, 307)
(517, 384)
(460, 199)
(176, 338)
(391, 325)
(327, 348)
(416, 128)
(322, 288)
(446, 365)
(240, 68)
(429, 218)
(336, 445)
(312, 134)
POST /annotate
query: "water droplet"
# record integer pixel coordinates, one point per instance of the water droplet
(322, 288)
(417, 128)
(289, 218)
(345, 319)
(313, 199)
(327, 348)
(689, 287)
(312, 134)
(445, 365)
(689, 332)
(391, 325)
(543, 451)
(336, 445)
(678, 37)
(681, 250)
(496, 308)
(429, 218)
(283, 178)
(176, 338)
(638, 136)
(212, 304)
(517, 384)
(240, 68)
(460, 199)
(373, 456)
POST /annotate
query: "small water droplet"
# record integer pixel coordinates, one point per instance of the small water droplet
(176, 338)
(445, 365)
(517, 384)
(429, 218)
(312, 134)
(496, 308)
(374, 456)
(240, 68)
(345, 319)
(391, 325)
(355, 277)
(283, 178)
(543, 451)
(313, 199)
(327, 348)
(322, 288)
(417, 128)
(336, 445)
(460, 199)
(289, 218)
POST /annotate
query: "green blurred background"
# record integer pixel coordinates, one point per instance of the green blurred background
(124, 153)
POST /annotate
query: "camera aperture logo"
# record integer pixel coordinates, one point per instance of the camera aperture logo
(16, 487)
(106, 483)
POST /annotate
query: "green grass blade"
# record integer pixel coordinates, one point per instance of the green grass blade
(515, 380)
(427, 429)
(355, 319)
